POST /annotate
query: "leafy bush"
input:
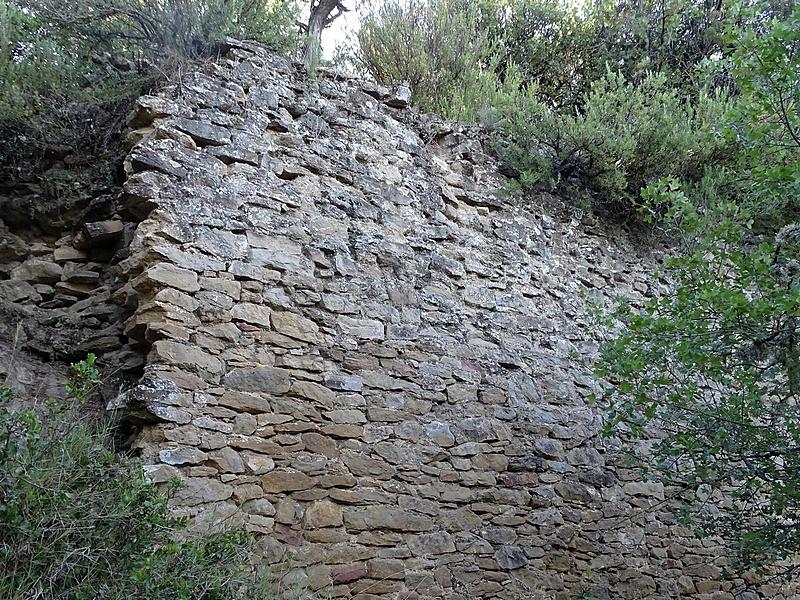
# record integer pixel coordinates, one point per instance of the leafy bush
(623, 138)
(438, 47)
(765, 66)
(78, 520)
(665, 36)
(712, 368)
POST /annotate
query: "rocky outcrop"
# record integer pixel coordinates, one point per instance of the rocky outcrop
(361, 349)
(58, 302)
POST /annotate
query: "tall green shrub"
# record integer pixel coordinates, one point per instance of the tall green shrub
(711, 368)
(603, 154)
(438, 47)
(765, 67)
(80, 521)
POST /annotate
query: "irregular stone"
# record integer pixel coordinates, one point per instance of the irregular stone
(369, 329)
(201, 490)
(165, 274)
(549, 448)
(399, 96)
(244, 402)
(227, 460)
(188, 357)
(348, 573)
(270, 380)
(440, 434)
(278, 253)
(278, 482)
(386, 568)
(14, 290)
(323, 513)
(259, 506)
(182, 456)
(64, 254)
(295, 326)
(35, 270)
(258, 464)
(344, 382)
(98, 233)
(251, 313)
(510, 557)
(431, 544)
(203, 133)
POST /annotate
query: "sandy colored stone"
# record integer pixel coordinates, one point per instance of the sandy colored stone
(322, 513)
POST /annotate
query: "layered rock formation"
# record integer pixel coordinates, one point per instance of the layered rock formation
(361, 349)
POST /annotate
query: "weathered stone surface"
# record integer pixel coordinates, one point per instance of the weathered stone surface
(98, 233)
(510, 557)
(258, 379)
(258, 464)
(35, 270)
(185, 356)
(286, 481)
(16, 290)
(344, 382)
(245, 402)
(369, 329)
(204, 133)
(440, 434)
(386, 517)
(201, 490)
(295, 326)
(323, 513)
(165, 274)
(227, 460)
(432, 544)
(251, 313)
(182, 456)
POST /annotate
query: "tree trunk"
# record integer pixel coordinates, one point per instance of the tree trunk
(319, 18)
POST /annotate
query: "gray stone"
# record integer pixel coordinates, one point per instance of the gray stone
(188, 357)
(35, 270)
(182, 456)
(344, 382)
(432, 544)
(251, 313)
(258, 379)
(201, 490)
(295, 326)
(368, 329)
(165, 274)
(510, 557)
(440, 434)
(203, 133)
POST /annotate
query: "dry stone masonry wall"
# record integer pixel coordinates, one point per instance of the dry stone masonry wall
(361, 350)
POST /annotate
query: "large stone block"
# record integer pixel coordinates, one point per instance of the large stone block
(270, 380)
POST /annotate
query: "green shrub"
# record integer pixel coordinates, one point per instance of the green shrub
(438, 47)
(549, 43)
(78, 520)
(765, 66)
(602, 155)
(710, 368)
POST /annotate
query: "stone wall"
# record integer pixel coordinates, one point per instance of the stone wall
(361, 349)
